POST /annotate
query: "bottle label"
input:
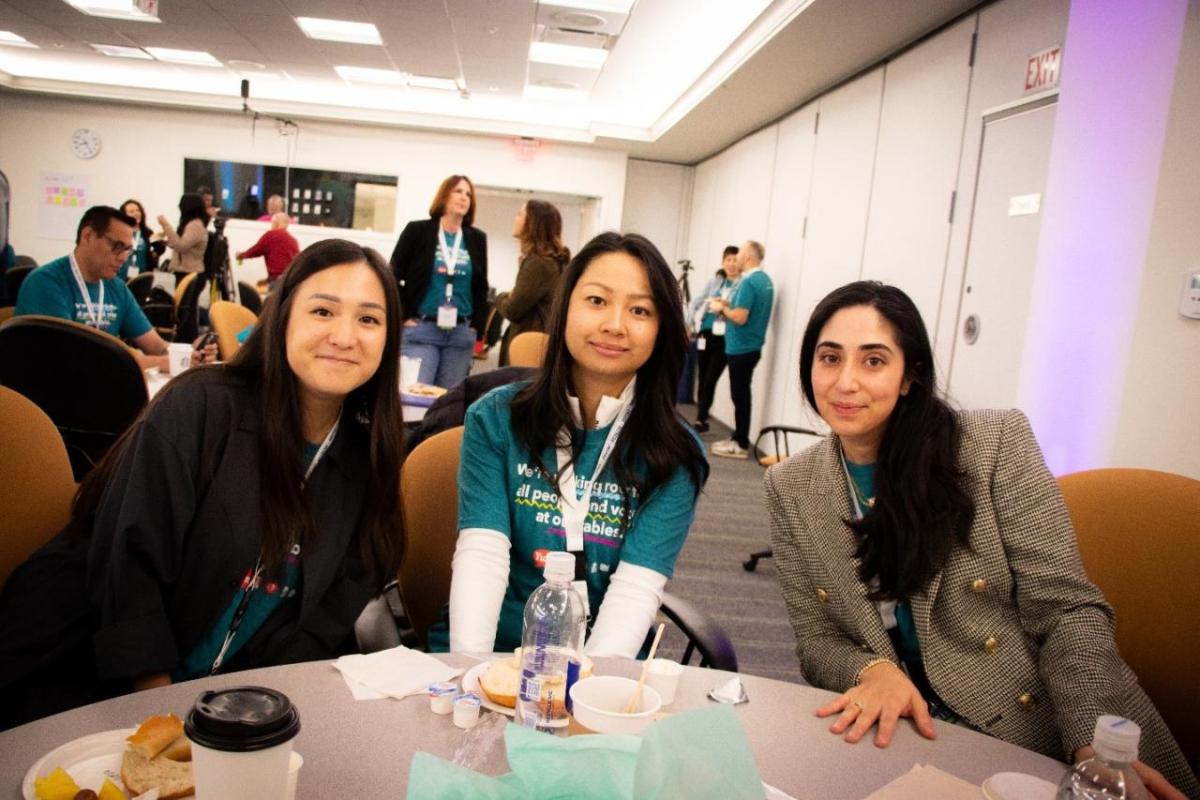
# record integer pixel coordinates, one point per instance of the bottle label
(572, 676)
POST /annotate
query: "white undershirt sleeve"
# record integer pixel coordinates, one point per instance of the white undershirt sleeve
(477, 586)
(627, 611)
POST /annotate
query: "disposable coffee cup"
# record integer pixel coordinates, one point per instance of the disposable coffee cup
(242, 743)
(179, 357)
(664, 676)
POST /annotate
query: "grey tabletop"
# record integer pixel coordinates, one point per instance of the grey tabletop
(362, 749)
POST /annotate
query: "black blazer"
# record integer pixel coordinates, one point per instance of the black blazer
(412, 261)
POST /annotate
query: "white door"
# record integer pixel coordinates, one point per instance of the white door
(989, 344)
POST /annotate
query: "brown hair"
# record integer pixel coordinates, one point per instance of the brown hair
(438, 206)
(542, 232)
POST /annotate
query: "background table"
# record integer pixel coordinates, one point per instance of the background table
(362, 749)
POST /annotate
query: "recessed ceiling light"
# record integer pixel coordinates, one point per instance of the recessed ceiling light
(115, 9)
(197, 58)
(121, 51)
(430, 82)
(567, 55)
(15, 39)
(336, 30)
(555, 94)
(578, 19)
(242, 64)
(384, 77)
(607, 6)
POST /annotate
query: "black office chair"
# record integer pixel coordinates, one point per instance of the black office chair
(703, 633)
(15, 276)
(86, 381)
(779, 438)
(249, 297)
(187, 313)
(159, 308)
(140, 286)
(25, 261)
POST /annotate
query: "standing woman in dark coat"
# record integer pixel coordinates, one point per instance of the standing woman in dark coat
(445, 309)
(538, 227)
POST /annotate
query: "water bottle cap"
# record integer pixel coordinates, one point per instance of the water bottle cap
(1116, 738)
(560, 566)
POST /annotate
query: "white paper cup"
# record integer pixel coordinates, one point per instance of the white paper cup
(242, 744)
(410, 370)
(294, 764)
(179, 357)
(664, 676)
(256, 775)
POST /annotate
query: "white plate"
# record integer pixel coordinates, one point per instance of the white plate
(88, 759)
(470, 683)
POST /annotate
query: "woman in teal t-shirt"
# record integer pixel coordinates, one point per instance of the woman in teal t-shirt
(599, 419)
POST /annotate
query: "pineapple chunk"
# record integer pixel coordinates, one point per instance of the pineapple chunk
(58, 785)
(110, 791)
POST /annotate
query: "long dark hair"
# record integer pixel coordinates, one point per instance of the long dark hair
(922, 509)
(191, 206)
(654, 437)
(438, 206)
(261, 363)
(141, 224)
(542, 233)
(262, 360)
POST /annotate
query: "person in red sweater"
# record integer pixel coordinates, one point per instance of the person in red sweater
(276, 246)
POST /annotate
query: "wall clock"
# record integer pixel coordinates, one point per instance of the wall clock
(85, 143)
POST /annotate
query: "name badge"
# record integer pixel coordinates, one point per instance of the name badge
(701, 342)
(447, 316)
(718, 327)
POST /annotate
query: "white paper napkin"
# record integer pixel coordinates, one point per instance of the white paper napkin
(923, 782)
(399, 672)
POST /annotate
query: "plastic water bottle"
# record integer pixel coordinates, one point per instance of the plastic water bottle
(550, 647)
(1107, 775)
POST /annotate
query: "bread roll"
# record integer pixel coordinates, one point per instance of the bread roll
(173, 779)
(502, 680)
(153, 735)
(178, 750)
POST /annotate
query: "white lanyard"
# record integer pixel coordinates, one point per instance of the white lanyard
(95, 314)
(450, 258)
(240, 612)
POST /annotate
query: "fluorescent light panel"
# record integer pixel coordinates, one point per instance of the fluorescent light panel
(336, 30)
(381, 77)
(609, 6)
(15, 39)
(197, 58)
(113, 9)
(554, 94)
(430, 82)
(567, 55)
(121, 51)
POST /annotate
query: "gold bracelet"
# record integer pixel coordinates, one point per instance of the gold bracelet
(874, 662)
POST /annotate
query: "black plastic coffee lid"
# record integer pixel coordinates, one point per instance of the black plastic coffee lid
(242, 719)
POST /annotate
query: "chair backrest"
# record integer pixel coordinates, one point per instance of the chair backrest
(228, 320)
(429, 501)
(13, 279)
(187, 307)
(182, 286)
(36, 486)
(1139, 537)
(702, 633)
(6, 313)
(782, 442)
(25, 261)
(527, 349)
(92, 387)
(140, 286)
(249, 297)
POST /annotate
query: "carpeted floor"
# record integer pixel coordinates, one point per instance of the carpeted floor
(731, 522)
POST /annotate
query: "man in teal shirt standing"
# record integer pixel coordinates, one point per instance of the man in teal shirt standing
(748, 311)
(83, 287)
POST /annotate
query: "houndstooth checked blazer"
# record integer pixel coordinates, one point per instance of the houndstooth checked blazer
(1013, 634)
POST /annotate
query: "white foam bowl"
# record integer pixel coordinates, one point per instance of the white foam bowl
(599, 704)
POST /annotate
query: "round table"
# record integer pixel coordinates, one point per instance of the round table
(362, 749)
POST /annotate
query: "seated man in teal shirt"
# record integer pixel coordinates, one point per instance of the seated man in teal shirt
(57, 289)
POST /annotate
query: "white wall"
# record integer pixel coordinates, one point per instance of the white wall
(143, 151)
(655, 200)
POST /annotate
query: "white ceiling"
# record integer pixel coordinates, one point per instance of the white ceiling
(683, 78)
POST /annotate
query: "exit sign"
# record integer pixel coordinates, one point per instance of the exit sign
(1042, 69)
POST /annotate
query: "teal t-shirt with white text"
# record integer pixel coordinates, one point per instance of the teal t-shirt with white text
(501, 490)
(755, 292)
(436, 294)
(51, 290)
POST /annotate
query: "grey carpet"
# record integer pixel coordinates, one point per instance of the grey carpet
(731, 522)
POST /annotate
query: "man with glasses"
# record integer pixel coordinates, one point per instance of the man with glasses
(83, 287)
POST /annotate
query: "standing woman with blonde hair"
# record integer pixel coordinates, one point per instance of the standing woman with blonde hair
(441, 265)
(538, 227)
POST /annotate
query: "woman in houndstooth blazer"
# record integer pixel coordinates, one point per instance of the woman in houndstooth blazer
(928, 562)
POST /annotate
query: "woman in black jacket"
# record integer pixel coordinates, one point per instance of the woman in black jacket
(444, 308)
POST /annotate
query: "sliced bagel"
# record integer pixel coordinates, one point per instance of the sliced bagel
(173, 779)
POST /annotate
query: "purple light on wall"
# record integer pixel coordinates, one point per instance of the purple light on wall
(1117, 77)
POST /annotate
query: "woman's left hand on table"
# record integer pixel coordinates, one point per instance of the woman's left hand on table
(885, 695)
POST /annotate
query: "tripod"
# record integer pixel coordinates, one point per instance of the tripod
(682, 280)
